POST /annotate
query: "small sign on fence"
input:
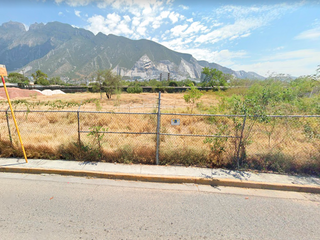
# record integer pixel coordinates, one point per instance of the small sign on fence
(175, 122)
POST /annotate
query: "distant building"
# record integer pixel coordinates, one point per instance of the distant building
(164, 76)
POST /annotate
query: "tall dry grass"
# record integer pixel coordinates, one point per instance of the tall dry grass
(283, 145)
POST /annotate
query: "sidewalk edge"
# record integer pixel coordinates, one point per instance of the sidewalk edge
(168, 179)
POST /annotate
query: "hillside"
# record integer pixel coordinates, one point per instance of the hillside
(59, 49)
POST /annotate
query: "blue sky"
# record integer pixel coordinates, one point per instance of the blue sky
(267, 37)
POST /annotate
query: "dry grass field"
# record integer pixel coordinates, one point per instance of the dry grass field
(106, 133)
(123, 102)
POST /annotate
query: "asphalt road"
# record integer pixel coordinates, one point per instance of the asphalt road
(58, 207)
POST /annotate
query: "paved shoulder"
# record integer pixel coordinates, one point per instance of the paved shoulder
(169, 174)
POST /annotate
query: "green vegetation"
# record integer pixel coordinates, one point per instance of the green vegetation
(160, 84)
(253, 140)
(213, 78)
(135, 89)
(56, 81)
(107, 80)
(17, 78)
(40, 78)
(273, 96)
(192, 96)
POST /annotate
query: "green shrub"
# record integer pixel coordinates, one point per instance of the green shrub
(135, 89)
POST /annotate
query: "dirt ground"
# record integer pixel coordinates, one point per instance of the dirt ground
(18, 93)
(124, 102)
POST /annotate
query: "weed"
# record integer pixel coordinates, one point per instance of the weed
(97, 132)
(125, 154)
(192, 95)
(98, 105)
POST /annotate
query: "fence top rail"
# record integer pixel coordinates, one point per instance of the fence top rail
(74, 111)
(201, 115)
(230, 115)
(168, 114)
(165, 134)
(290, 116)
(119, 113)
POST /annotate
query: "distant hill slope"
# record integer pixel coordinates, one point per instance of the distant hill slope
(59, 49)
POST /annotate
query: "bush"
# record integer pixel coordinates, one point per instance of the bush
(135, 89)
(95, 87)
(173, 84)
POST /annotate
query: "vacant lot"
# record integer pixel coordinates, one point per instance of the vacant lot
(106, 132)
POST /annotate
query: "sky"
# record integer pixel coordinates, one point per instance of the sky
(267, 37)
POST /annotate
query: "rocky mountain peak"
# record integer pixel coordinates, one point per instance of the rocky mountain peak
(60, 49)
(36, 26)
(14, 26)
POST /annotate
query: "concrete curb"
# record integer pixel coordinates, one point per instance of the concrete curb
(168, 179)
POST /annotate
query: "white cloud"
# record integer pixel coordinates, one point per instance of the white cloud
(123, 28)
(159, 21)
(154, 39)
(127, 18)
(270, 11)
(184, 7)
(242, 21)
(174, 17)
(111, 24)
(116, 4)
(77, 13)
(297, 54)
(141, 30)
(245, 35)
(195, 27)
(75, 3)
(241, 27)
(279, 48)
(178, 30)
(233, 37)
(311, 34)
(97, 24)
(104, 4)
(60, 13)
(141, 16)
(295, 63)
(223, 57)
(136, 21)
(156, 24)
(164, 14)
(174, 44)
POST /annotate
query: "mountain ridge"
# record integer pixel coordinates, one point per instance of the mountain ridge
(59, 49)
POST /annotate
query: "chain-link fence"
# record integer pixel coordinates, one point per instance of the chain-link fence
(166, 138)
(282, 140)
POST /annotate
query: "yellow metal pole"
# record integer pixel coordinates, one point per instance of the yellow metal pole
(14, 119)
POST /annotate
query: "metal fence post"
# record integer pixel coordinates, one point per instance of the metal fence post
(79, 139)
(8, 124)
(158, 130)
(240, 141)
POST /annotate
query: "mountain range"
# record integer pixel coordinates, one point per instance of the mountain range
(59, 49)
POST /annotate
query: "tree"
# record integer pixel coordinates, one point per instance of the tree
(192, 95)
(316, 76)
(173, 84)
(56, 81)
(109, 81)
(40, 78)
(186, 82)
(213, 77)
(17, 78)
